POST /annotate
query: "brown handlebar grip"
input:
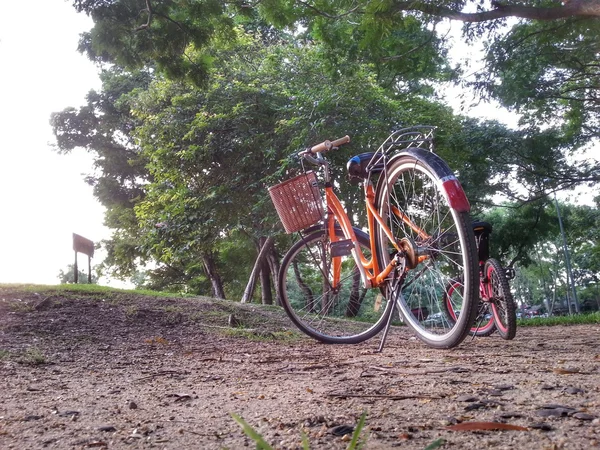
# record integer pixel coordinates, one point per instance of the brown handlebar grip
(341, 141)
(328, 145)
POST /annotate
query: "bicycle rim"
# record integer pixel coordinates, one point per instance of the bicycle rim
(343, 314)
(502, 302)
(413, 206)
(483, 325)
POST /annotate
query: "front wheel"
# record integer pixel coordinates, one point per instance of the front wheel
(423, 205)
(501, 300)
(332, 308)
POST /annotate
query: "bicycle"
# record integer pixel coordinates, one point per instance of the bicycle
(340, 284)
(497, 309)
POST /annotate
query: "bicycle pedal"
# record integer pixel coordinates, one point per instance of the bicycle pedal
(341, 248)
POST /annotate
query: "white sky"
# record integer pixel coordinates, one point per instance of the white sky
(43, 198)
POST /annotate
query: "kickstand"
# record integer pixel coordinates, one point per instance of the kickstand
(387, 328)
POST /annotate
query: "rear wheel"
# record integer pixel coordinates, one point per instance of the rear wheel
(484, 321)
(500, 298)
(343, 314)
(438, 247)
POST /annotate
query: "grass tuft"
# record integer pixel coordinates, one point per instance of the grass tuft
(358, 439)
(33, 356)
(575, 319)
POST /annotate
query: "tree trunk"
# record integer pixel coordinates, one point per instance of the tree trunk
(265, 277)
(273, 260)
(310, 303)
(356, 297)
(249, 291)
(210, 268)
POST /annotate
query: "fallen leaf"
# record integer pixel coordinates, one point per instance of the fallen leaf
(478, 426)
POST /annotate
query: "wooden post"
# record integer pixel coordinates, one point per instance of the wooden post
(75, 269)
(85, 246)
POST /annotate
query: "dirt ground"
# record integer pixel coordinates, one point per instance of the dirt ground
(126, 371)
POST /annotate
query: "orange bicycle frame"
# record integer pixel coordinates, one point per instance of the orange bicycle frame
(371, 274)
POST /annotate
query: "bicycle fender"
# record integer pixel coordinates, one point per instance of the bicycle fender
(320, 227)
(449, 184)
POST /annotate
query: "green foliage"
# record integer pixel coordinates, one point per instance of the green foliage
(529, 238)
(548, 72)
(68, 276)
(517, 229)
(130, 35)
(183, 171)
(544, 69)
(576, 319)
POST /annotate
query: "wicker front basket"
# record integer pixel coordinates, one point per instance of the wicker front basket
(298, 202)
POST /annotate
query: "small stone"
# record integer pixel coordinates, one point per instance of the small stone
(341, 430)
(44, 304)
(504, 387)
(233, 321)
(132, 405)
(556, 406)
(541, 426)
(474, 406)
(510, 415)
(583, 416)
(107, 428)
(574, 390)
(450, 421)
(557, 412)
(495, 393)
(31, 417)
(547, 387)
(466, 398)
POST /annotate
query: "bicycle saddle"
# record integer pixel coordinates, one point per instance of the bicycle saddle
(357, 167)
(480, 227)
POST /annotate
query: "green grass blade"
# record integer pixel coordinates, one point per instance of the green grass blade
(261, 444)
(435, 444)
(356, 442)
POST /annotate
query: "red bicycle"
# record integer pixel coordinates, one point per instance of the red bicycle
(497, 309)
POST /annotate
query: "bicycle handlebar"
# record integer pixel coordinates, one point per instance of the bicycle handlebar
(325, 146)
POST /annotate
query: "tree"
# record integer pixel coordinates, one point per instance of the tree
(103, 128)
(207, 99)
(208, 155)
(68, 276)
(213, 152)
(530, 239)
(540, 64)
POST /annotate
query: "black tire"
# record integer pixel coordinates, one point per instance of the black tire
(348, 314)
(484, 324)
(414, 182)
(501, 299)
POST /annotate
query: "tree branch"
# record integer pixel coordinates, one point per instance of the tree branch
(573, 8)
(149, 11)
(324, 14)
